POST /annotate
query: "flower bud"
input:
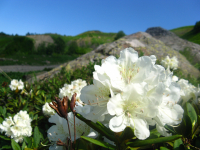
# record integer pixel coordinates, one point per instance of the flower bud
(61, 106)
(72, 103)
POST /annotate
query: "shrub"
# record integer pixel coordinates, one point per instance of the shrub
(119, 35)
(196, 28)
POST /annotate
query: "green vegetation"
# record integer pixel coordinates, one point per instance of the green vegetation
(14, 101)
(182, 30)
(190, 33)
(34, 59)
(68, 45)
(119, 35)
(84, 42)
(11, 45)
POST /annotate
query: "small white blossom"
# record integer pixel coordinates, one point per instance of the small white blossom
(17, 127)
(188, 91)
(69, 89)
(15, 84)
(171, 63)
(47, 110)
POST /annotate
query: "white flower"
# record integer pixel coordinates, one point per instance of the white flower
(171, 63)
(96, 96)
(188, 91)
(174, 78)
(47, 110)
(17, 128)
(134, 91)
(60, 130)
(134, 107)
(169, 112)
(75, 87)
(15, 84)
(5, 126)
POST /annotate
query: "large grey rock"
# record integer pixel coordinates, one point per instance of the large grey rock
(140, 41)
(173, 41)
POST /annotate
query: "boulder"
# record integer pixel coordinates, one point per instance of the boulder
(140, 41)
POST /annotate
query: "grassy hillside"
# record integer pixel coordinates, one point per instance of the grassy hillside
(85, 42)
(187, 34)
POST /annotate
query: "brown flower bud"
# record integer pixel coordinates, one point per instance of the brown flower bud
(61, 106)
(60, 143)
(72, 103)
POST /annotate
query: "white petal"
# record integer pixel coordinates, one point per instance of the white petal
(141, 128)
(116, 124)
(162, 130)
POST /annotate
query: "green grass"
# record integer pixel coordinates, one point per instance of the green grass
(37, 59)
(87, 40)
(187, 34)
(182, 30)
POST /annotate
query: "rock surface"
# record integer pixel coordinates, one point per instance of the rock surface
(39, 39)
(141, 42)
(173, 41)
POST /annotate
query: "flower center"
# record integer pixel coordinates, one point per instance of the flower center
(128, 72)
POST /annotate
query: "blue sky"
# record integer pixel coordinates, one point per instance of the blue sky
(72, 17)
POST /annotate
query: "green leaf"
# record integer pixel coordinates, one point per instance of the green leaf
(36, 137)
(5, 138)
(171, 129)
(185, 127)
(178, 144)
(140, 143)
(163, 148)
(4, 111)
(191, 113)
(1, 119)
(128, 133)
(14, 145)
(23, 145)
(5, 147)
(154, 134)
(28, 141)
(197, 142)
(25, 106)
(98, 142)
(98, 127)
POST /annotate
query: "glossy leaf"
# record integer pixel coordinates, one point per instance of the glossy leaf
(23, 145)
(154, 134)
(128, 133)
(36, 136)
(15, 145)
(5, 138)
(98, 127)
(5, 147)
(98, 142)
(163, 148)
(191, 113)
(185, 127)
(140, 143)
(178, 144)
(28, 141)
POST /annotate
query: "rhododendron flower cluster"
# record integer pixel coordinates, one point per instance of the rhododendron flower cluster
(60, 130)
(47, 110)
(75, 87)
(15, 84)
(132, 91)
(17, 127)
(171, 63)
(188, 92)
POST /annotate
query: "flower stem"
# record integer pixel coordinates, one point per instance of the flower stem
(69, 132)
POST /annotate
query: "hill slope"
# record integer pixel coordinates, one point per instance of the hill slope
(187, 34)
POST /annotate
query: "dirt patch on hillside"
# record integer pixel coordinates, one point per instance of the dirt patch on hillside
(39, 39)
